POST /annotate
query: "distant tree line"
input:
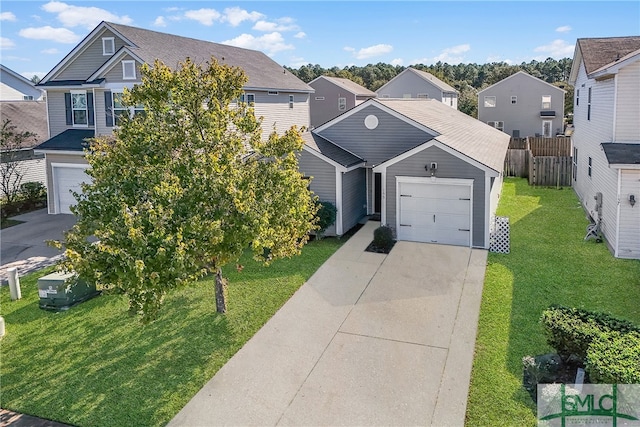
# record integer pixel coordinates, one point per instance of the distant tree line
(468, 79)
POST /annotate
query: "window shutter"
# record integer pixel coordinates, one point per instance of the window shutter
(108, 108)
(90, 108)
(67, 109)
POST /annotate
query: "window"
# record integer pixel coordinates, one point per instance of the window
(272, 92)
(319, 98)
(27, 97)
(290, 101)
(546, 102)
(589, 168)
(249, 98)
(406, 95)
(589, 106)
(575, 163)
(489, 101)
(129, 70)
(577, 97)
(108, 46)
(514, 99)
(423, 96)
(497, 125)
(79, 114)
(386, 95)
(120, 110)
(342, 104)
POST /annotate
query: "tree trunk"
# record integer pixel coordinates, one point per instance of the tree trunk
(220, 287)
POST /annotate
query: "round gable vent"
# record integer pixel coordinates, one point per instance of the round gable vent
(371, 122)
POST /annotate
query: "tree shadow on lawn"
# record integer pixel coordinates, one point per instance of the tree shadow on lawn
(551, 263)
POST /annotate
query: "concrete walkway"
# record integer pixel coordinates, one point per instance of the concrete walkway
(370, 339)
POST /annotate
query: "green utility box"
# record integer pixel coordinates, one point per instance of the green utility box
(60, 291)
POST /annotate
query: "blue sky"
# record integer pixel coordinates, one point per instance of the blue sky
(35, 35)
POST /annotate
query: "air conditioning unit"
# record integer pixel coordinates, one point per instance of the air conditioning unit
(61, 291)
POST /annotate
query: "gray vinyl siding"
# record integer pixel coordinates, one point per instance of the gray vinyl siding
(323, 179)
(448, 167)
(524, 115)
(56, 111)
(627, 104)
(354, 198)
(393, 136)
(89, 60)
(327, 109)
(114, 75)
(58, 158)
(410, 83)
(275, 111)
(101, 120)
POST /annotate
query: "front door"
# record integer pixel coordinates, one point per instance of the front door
(377, 193)
(547, 128)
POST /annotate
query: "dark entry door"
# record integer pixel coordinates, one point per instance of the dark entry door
(377, 197)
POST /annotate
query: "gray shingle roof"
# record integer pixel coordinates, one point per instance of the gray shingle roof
(457, 130)
(330, 150)
(622, 154)
(27, 116)
(351, 86)
(598, 52)
(69, 140)
(262, 71)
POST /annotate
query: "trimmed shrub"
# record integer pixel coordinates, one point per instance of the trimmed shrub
(33, 191)
(326, 216)
(383, 238)
(614, 358)
(571, 330)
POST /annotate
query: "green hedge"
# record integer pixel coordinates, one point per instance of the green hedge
(614, 358)
(571, 330)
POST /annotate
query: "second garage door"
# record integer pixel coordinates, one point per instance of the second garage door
(67, 179)
(434, 213)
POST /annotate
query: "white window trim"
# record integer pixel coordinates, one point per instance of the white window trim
(487, 98)
(124, 69)
(131, 110)
(319, 98)
(423, 96)
(496, 124)
(245, 98)
(342, 103)
(112, 41)
(272, 92)
(291, 101)
(543, 102)
(86, 109)
(406, 96)
(550, 128)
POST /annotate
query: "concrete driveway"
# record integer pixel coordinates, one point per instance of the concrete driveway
(370, 339)
(23, 245)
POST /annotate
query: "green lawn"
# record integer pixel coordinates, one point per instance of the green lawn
(94, 365)
(549, 263)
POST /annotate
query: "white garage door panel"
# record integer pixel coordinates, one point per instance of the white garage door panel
(68, 180)
(435, 213)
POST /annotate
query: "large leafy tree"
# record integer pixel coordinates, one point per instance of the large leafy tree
(185, 187)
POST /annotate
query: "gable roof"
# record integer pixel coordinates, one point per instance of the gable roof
(330, 150)
(519, 73)
(23, 80)
(456, 130)
(600, 52)
(347, 85)
(27, 116)
(428, 77)
(148, 45)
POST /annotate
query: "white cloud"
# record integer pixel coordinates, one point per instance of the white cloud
(6, 43)
(269, 43)
(160, 22)
(300, 35)
(61, 35)
(87, 17)
(30, 74)
(498, 58)
(171, 9)
(454, 54)
(563, 29)
(397, 61)
(281, 24)
(236, 16)
(297, 62)
(371, 51)
(349, 49)
(7, 16)
(51, 51)
(203, 16)
(556, 49)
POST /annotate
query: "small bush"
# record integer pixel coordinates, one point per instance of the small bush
(326, 216)
(614, 358)
(571, 330)
(383, 237)
(33, 191)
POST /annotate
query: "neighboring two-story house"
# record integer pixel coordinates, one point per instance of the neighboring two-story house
(333, 96)
(413, 83)
(606, 170)
(522, 105)
(84, 92)
(15, 87)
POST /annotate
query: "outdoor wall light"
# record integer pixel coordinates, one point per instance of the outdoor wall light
(632, 199)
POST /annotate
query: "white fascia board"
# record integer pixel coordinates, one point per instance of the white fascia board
(285, 90)
(72, 87)
(575, 65)
(68, 152)
(632, 166)
(71, 165)
(107, 66)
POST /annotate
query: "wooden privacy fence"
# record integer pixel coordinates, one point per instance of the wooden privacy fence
(544, 161)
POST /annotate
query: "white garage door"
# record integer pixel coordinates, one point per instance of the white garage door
(434, 213)
(67, 179)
